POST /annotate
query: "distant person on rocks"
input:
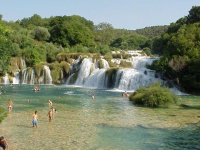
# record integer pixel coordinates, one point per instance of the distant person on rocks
(3, 143)
(35, 119)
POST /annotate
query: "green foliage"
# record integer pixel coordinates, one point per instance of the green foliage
(194, 15)
(121, 55)
(56, 72)
(71, 30)
(153, 96)
(65, 66)
(67, 57)
(152, 32)
(5, 47)
(180, 50)
(3, 114)
(134, 41)
(40, 33)
(126, 64)
(38, 70)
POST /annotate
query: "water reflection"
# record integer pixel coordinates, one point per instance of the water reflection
(107, 122)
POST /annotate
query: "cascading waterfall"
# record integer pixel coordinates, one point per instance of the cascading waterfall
(47, 75)
(16, 79)
(90, 76)
(85, 70)
(96, 79)
(6, 79)
(28, 76)
(128, 79)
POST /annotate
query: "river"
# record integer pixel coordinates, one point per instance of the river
(109, 122)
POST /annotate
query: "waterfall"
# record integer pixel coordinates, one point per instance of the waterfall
(23, 64)
(69, 78)
(132, 79)
(129, 79)
(140, 62)
(6, 79)
(95, 74)
(16, 78)
(47, 75)
(105, 63)
(96, 79)
(85, 70)
(28, 76)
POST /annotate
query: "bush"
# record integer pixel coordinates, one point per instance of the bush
(153, 96)
(3, 114)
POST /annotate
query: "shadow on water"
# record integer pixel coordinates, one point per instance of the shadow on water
(185, 106)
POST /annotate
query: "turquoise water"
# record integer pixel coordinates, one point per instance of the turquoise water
(109, 122)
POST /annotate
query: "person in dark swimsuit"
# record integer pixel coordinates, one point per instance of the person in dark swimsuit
(3, 143)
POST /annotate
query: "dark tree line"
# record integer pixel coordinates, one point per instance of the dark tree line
(179, 47)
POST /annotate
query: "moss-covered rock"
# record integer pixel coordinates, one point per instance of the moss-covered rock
(38, 70)
(65, 66)
(125, 64)
(56, 72)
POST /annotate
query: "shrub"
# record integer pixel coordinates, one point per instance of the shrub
(3, 114)
(126, 64)
(153, 96)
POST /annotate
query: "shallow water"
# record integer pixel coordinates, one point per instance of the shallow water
(109, 122)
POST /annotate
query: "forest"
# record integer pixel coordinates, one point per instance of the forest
(57, 39)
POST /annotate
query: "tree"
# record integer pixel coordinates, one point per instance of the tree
(194, 15)
(40, 33)
(5, 47)
(104, 33)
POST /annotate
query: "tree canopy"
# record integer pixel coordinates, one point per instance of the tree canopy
(180, 50)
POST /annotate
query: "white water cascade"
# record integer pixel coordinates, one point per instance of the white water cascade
(28, 76)
(47, 75)
(88, 74)
(6, 79)
(128, 79)
(16, 78)
(85, 70)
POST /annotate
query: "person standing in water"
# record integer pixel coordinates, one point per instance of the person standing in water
(10, 104)
(50, 103)
(50, 114)
(3, 143)
(93, 96)
(35, 119)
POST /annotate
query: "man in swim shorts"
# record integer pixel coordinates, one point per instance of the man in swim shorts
(35, 119)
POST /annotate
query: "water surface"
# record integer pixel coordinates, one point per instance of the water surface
(109, 122)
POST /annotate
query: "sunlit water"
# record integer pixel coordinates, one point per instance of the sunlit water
(109, 122)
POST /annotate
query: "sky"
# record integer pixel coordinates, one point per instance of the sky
(121, 14)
